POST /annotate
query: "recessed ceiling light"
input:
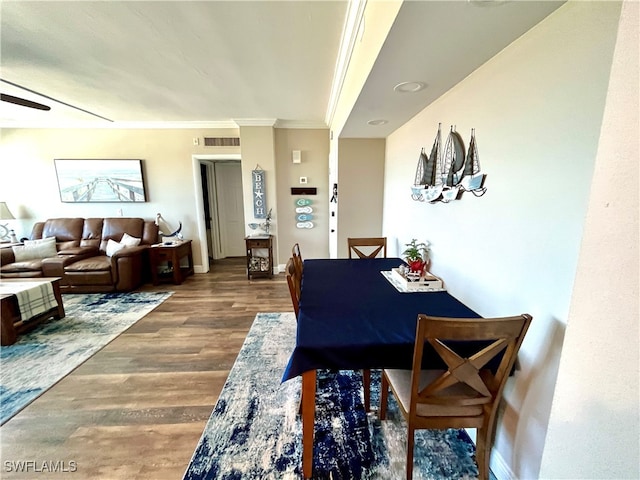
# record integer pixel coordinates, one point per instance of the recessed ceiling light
(377, 122)
(409, 87)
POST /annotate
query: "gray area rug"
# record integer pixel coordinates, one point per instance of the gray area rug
(52, 350)
(255, 432)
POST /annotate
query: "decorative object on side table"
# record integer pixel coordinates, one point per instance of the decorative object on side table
(164, 227)
(266, 225)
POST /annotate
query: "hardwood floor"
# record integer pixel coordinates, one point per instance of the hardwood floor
(137, 408)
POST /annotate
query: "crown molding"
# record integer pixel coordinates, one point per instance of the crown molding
(310, 125)
(353, 22)
(255, 122)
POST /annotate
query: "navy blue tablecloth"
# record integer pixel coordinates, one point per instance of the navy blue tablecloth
(352, 318)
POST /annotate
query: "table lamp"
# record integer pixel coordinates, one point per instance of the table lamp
(5, 214)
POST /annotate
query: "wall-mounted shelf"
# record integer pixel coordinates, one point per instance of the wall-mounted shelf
(304, 191)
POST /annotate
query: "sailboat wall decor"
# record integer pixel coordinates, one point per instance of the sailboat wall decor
(444, 177)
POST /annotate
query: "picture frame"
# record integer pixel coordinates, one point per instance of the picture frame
(100, 180)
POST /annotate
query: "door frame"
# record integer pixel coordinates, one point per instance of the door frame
(200, 220)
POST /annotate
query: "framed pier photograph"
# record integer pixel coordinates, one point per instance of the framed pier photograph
(100, 181)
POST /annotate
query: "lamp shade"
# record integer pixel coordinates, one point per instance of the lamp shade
(5, 213)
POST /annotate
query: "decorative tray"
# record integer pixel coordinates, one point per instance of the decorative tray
(407, 283)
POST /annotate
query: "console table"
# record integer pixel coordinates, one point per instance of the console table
(172, 253)
(259, 256)
(12, 322)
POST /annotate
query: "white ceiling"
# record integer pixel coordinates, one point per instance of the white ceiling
(223, 63)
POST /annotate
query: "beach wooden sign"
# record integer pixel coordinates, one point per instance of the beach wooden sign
(259, 194)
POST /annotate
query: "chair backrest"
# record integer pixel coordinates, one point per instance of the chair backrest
(467, 346)
(295, 284)
(297, 258)
(379, 244)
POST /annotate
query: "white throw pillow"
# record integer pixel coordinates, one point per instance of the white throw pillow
(129, 241)
(35, 249)
(113, 247)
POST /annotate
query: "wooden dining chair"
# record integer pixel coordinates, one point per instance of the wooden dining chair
(294, 280)
(467, 393)
(368, 247)
(297, 258)
(377, 244)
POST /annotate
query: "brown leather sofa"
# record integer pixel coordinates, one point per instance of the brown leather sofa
(82, 262)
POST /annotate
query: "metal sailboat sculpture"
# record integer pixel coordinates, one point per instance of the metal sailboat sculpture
(472, 179)
(453, 166)
(427, 186)
(443, 178)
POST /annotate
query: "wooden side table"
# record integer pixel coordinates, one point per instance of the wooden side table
(12, 322)
(259, 256)
(172, 254)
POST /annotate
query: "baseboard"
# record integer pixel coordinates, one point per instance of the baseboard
(497, 464)
(500, 468)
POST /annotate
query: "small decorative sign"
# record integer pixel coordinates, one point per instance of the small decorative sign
(259, 196)
(304, 217)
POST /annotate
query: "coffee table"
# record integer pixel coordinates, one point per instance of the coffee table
(12, 323)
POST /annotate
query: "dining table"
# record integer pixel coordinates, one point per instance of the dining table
(352, 317)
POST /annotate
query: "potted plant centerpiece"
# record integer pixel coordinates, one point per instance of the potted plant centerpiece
(417, 256)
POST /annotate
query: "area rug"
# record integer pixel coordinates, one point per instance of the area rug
(255, 432)
(52, 350)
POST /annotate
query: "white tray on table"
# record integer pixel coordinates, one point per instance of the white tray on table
(404, 284)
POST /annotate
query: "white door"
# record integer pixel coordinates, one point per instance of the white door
(228, 177)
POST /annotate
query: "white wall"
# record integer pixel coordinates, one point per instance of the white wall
(314, 147)
(537, 109)
(29, 185)
(595, 408)
(361, 189)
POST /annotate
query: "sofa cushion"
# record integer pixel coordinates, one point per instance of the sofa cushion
(115, 228)
(78, 251)
(92, 233)
(35, 249)
(91, 264)
(69, 245)
(113, 247)
(129, 241)
(34, 265)
(63, 229)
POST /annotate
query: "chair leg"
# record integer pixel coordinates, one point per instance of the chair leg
(384, 393)
(410, 444)
(366, 382)
(483, 453)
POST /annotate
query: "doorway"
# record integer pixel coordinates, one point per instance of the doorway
(222, 209)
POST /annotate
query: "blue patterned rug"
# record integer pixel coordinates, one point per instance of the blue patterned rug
(52, 350)
(254, 431)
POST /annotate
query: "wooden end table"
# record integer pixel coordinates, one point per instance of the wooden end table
(172, 254)
(259, 256)
(12, 323)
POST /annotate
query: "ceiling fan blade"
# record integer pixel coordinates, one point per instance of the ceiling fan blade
(23, 102)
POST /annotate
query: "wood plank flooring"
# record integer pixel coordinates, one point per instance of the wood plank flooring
(137, 408)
